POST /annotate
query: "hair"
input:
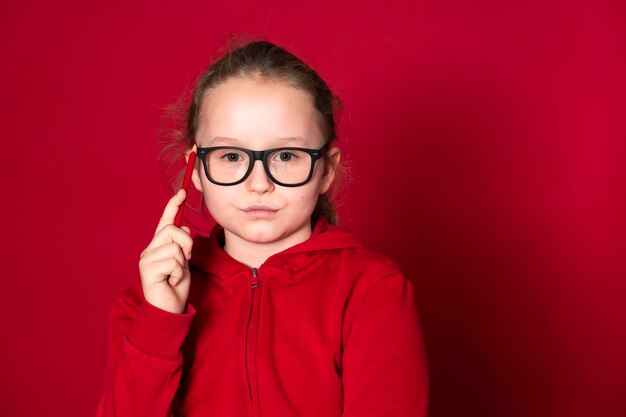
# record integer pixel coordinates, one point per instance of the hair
(243, 58)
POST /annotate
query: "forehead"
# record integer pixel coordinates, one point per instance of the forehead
(258, 114)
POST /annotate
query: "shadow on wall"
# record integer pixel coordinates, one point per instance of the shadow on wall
(464, 214)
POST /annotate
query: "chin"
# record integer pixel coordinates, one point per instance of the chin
(261, 234)
(261, 231)
(267, 231)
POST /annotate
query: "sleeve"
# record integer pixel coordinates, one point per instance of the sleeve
(145, 362)
(384, 362)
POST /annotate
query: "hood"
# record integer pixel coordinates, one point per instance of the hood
(209, 257)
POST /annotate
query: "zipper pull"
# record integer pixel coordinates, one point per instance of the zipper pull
(255, 279)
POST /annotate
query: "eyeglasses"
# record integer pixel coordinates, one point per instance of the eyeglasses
(288, 167)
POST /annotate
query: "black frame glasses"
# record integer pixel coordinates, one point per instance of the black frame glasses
(262, 156)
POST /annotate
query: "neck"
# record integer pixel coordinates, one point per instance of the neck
(255, 254)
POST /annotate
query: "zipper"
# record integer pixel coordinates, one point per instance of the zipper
(254, 283)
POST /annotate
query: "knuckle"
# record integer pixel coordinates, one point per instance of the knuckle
(174, 248)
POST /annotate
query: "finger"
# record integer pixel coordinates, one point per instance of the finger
(171, 208)
(170, 233)
(170, 250)
(178, 276)
(189, 242)
(164, 269)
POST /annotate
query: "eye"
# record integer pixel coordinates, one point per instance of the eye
(285, 156)
(232, 157)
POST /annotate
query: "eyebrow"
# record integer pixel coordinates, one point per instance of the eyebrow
(233, 141)
(225, 139)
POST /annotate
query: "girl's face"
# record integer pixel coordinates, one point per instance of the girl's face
(258, 115)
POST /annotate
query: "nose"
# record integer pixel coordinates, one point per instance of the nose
(258, 181)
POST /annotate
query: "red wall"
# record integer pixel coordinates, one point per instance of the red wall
(487, 146)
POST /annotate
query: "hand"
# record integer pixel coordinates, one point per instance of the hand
(163, 266)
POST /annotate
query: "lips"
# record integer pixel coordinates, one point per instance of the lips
(260, 211)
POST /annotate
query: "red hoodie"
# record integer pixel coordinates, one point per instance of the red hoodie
(325, 328)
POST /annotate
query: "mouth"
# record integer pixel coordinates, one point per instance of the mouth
(258, 211)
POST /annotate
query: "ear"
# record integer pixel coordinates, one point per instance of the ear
(195, 176)
(332, 159)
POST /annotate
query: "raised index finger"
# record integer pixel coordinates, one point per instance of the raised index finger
(171, 208)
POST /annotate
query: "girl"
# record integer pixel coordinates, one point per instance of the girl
(279, 312)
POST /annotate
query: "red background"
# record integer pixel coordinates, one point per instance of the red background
(487, 146)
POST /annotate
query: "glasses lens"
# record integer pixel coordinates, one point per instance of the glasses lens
(227, 165)
(289, 166)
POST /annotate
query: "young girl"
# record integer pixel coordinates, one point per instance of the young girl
(279, 312)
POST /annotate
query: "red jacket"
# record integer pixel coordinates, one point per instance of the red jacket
(325, 328)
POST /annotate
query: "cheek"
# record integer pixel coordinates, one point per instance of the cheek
(216, 196)
(307, 196)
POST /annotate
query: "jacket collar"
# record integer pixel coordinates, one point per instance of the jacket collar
(209, 256)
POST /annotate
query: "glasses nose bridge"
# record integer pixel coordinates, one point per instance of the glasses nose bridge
(259, 156)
